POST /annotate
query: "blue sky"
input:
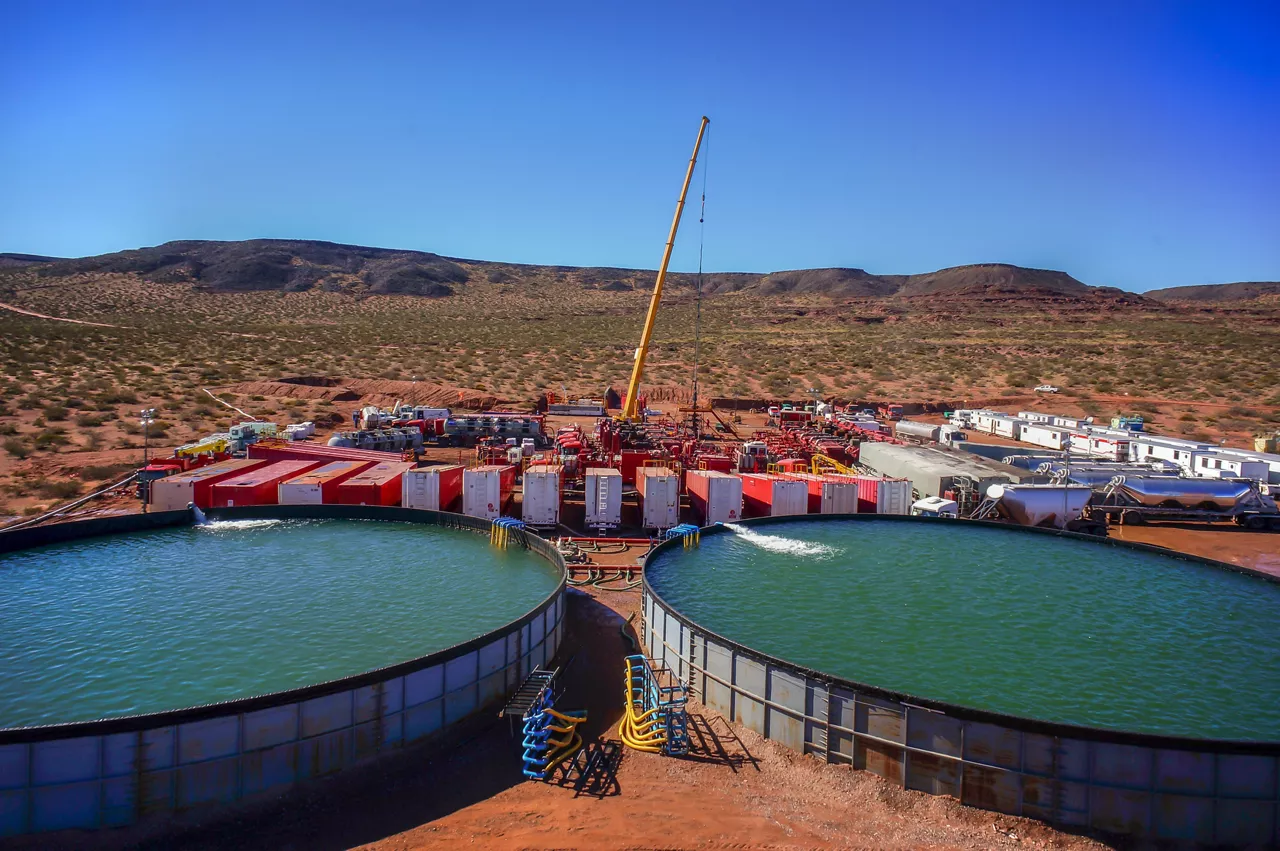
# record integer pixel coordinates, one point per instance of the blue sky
(1132, 144)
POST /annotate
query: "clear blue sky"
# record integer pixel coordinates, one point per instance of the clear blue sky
(1132, 144)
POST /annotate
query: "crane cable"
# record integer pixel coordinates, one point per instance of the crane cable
(697, 316)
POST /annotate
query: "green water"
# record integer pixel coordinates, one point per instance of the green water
(1032, 625)
(159, 620)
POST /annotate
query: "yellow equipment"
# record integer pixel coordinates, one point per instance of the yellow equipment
(214, 443)
(629, 411)
(642, 731)
(821, 464)
(567, 745)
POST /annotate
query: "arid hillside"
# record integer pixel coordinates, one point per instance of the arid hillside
(1243, 291)
(194, 319)
(302, 265)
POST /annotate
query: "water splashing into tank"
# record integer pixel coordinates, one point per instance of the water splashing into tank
(779, 544)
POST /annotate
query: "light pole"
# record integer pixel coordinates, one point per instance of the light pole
(148, 417)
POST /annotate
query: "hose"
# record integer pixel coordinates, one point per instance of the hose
(626, 636)
(76, 504)
(592, 576)
(640, 732)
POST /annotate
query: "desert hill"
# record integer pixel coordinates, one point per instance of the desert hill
(10, 261)
(1242, 291)
(299, 265)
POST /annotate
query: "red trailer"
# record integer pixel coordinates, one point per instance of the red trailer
(880, 495)
(320, 486)
(829, 494)
(487, 490)
(279, 450)
(378, 485)
(716, 497)
(720, 463)
(436, 488)
(633, 459)
(773, 496)
(193, 487)
(260, 486)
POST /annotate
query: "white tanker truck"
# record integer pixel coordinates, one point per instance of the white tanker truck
(1053, 506)
(923, 432)
(1139, 499)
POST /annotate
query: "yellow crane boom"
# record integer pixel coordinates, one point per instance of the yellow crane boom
(629, 411)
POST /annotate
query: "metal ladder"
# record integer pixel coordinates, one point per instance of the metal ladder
(985, 510)
(602, 495)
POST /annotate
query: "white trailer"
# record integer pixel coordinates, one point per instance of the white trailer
(984, 421)
(541, 500)
(1271, 459)
(1033, 417)
(603, 497)
(1181, 452)
(1047, 436)
(1110, 448)
(1215, 465)
(659, 497)
(1009, 427)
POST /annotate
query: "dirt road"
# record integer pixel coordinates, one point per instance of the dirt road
(26, 312)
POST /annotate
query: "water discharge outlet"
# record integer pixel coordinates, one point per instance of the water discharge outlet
(779, 544)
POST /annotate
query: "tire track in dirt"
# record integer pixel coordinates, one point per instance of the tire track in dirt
(25, 312)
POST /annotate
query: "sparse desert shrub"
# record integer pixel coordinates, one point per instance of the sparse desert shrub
(58, 490)
(51, 437)
(89, 421)
(55, 412)
(17, 448)
(105, 472)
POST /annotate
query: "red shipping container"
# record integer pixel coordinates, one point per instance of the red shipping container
(260, 486)
(631, 460)
(195, 486)
(378, 485)
(281, 451)
(868, 491)
(487, 490)
(720, 463)
(320, 486)
(829, 494)
(716, 497)
(437, 488)
(773, 496)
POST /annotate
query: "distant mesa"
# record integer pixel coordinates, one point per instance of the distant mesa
(294, 265)
(11, 261)
(280, 265)
(1242, 291)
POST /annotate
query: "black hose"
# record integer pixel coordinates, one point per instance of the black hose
(626, 636)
